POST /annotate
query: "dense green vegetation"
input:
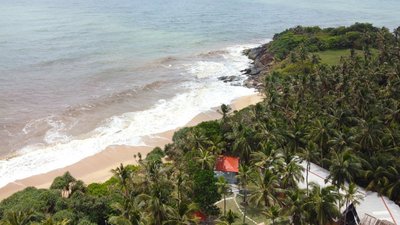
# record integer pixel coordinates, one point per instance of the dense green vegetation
(330, 99)
(316, 39)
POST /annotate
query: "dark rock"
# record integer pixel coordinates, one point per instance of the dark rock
(227, 79)
(253, 53)
(254, 71)
(262, 61)
(246, 71)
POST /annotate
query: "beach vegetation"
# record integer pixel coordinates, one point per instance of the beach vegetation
(331, 98)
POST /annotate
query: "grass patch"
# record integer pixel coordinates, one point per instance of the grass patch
(332, 57)
(252, 212)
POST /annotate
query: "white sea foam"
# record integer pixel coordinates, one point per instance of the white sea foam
(129, 128)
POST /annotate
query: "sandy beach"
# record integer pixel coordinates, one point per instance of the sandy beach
(97, 168)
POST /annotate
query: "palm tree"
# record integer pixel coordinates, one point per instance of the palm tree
(229, 219)
(292, 174)
(183, 215)
(295, 206)
(122, 173)
(315, 59)
(368, 135)
(182, 185)
(376, 179)
(392, 186)
(320, 134)
(130, 212)
(343, 167)
(244, 176)
(273, 213)
(205, 158)
(156, 192)
(50, 221)
(265, 158)
(225, 109)
(352, 196)
(157, 209)
(223, 189)
(321, 204)
(242, 143)
(309, 153)
(198, 139)
(265, 189)
(18, 218)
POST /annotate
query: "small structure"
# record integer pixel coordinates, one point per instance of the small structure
(200, 216)
(227, 167)
(370, 220)
(350, 216)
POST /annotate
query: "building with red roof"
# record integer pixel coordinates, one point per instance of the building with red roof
(228, 167)
(227, 164)
(200, 216)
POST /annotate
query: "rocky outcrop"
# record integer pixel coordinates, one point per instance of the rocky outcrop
(262, 62)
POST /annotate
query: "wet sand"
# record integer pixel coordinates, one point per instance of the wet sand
(97, 168)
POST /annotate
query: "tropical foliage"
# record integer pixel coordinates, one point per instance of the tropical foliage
(344, 117)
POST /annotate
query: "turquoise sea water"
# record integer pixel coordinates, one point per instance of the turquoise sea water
(74, 74)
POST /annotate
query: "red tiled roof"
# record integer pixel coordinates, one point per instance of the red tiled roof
(200, 215)
(227, 164)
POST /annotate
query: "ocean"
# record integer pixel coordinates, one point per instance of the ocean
(78, 76)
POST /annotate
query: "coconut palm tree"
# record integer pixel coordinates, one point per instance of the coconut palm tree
(182, 185)
(242, 143)
(158, 211)
(392, 187)
(184, 215)
(198, 139)
(352, 197)
(266, 157)
(295, 206)
(321, 204)
(245, 173)
(130, 212)
(320, 134)
(50, 221)
(292, 174)
(273, 213)
(18, 218)
(122, 174)
(376, 179)
(223, 189)
(343, 167)
(205, 158)
(265, 188)
(229, 219)
(224, 110)
(309, 154)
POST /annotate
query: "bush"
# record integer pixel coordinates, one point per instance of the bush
(39, 200)
(317, 39)
(155, 155)
(65, 215)
(85, 222)
(205, 190)
(90, 207)
(63, 181)
(97, 189)
(210, 129)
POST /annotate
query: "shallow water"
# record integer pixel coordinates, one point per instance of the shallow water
(76, 76)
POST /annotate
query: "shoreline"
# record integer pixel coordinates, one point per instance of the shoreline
(97, 168)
